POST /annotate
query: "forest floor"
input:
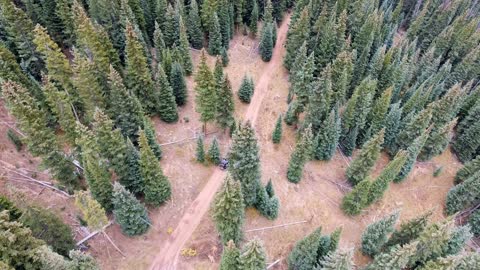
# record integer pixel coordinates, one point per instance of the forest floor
(315, 199)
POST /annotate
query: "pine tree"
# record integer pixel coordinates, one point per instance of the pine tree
(327, 138)
(184, 50)
(396, 258)
(388, 174)
(158, 42)
(224, 21)
(355, 201)
(392, 125)
(124, 109)
(205, 91)
(134, 180)
(80, 261)
(254, 19)
(304, 253)
(245, 92)
(244, 154)
(342, 68)
(267, 204)
(319, 98)
(413, 150)
(266, 42)
(178, 84)
(215, 37)
(156, 185)
(409, 230)
(413, 129)
(138, 77)
(225, 59)
(200, 152)
(467, 170)
(171, 28)
(277, 132)
(467, 144)
(297, 34)
(338, 260)
(363, 163)
(300, 156)
(167, 108)
(225, 104)
(230, 256)
(375, 235)
(253, 255)
(463, 195)
(98, 179)
(377, 116)
(129, 213)
(214, 152)
(195, 33)
(229, 211)
(92, 211)
(152, 137)
(432, 241)
(304, 80)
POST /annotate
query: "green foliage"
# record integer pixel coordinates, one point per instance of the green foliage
(156, 185)
(253, 255)
(363, 163)
(267, 203)
(167, 107)
(230, 256)
(298, 33)
(376, 117)
(46, 226)
(93, 213)
(13, 212)
(195, 34)
(357, 199)
(245, 160)
(468, 170)
(129, 213)
(395, 258)
(184, 49)
(247, 87)
(254, 20)
(266, 42)
(467, 143)
(134, 180)
(152, 137)
(225, 104)
(392, 125)
(463, 195)
(200, 153)
(338, 260)
(301, 154)
(214, 152)
(375, 235)
(413, 151)
(205, 91)
(229, 211)
(225, 59)
(474, 222)
(215, 37)
(413, 129)
(327, 138)
(158, 42)
(277, 132)
(98, 178)
(13, 137)
(304, 253)
(459, 237)
(178, 83)
(409, 230)
(81, 261)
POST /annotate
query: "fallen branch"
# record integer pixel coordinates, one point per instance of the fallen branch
(113, 244)
(13, 128)
(185, 139)
(62, 193)
(273, 264)
(93, 234)
(277, 226)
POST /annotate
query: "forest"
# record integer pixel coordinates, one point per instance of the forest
(240, 134)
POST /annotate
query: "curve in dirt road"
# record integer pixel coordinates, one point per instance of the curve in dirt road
(167, 258)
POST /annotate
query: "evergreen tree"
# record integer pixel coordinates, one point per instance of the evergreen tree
(244, 154)
(375, 235)
(152, 137)
(253, 255)
(357, 199)
(215, 37)
(319, 99)
(195, 34)
(300, 156)
(134, 180)
(156, 185)
(413, 150)
(392, 125)
(129, 213)
(396, 258)
(267, 203)
(171, 28)
(179, 86)
(363, 163)
(277, 132)
(225, 104)
(81, 261)
(463, 195)
(158, 42)
(254, 19)
(245, 92)
(229, 211)
(184, 50)
(409, 230)
(92, 211)
(338, 260)
(225, 59)
(467, 144)
(304, 253)
(413, 129)
(230, 256)
(388, 174)
(124, 109)
(200, 153)
(98, 179)
(138, 77)
(327, 138)
(377, 116)
(224, 21)
(342, 68)
(167, 108)
(297, 34)
(266, 42)
(474, 222)
(214, 152)
(468, 170)
(205, 91)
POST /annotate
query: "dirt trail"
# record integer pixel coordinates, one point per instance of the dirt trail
(167, 258)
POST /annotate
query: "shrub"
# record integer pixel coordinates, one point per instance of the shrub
(13, 137)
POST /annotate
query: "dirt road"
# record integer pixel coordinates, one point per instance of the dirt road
(167, 258)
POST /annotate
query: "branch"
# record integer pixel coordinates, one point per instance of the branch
(185, 139)
(113, 244)
(274, 263)
(277, 226)
(93, 234)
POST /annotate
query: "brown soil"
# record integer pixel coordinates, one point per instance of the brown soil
(316, 198)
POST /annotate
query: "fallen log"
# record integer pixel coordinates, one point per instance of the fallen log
(93, 234)
(273, 264)
(277, 226)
